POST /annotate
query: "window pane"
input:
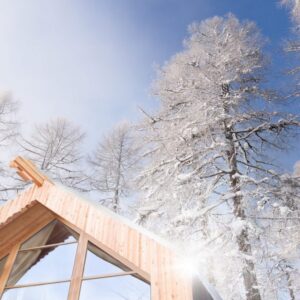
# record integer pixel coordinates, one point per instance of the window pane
(53, 233)
(115, 288)
(48, 264)
(58, 291)
(2, 263)
(98, 262)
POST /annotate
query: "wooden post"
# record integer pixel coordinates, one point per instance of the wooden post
(74, 291)
(8, 267)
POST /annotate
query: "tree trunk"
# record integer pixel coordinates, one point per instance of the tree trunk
(290, 286)
(116, 199)
(249, 275)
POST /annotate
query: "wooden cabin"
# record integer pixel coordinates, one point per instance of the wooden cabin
(56, 245)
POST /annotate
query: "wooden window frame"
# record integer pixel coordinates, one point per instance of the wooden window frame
(78, 265)
(36, 284)
(12, 255)
(8, 267)
(143, 275)
(110, 275)
(47, 246)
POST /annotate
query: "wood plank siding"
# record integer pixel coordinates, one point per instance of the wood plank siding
(37, 206)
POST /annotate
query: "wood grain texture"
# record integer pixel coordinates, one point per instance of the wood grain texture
(142, 252)
(76, 279)
(19, 229)
(8, 267)
(28, 171)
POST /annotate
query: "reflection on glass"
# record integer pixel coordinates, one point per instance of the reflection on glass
(2, 263)
(115, 288)
(48, 264)
(53, 233)
(98, 263)
(58, 291)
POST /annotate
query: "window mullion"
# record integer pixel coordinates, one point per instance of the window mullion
(77, 274)
(8, 267)
(48, 246)
(36, 284)
(109, 275)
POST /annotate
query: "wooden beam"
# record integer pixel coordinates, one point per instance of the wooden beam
(109, 251)
(75, 286)
(28, 171)
(36, 284)
(109, 275)
(23, 227)
(48, 246)
(8, 267)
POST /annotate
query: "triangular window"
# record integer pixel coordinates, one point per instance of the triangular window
(43, 269)
(53, 233)
(99, 262)
(107, 277)
(43, 265)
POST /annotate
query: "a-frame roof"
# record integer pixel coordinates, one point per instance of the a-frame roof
(137, 248)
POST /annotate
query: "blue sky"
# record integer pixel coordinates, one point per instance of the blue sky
(93, 61)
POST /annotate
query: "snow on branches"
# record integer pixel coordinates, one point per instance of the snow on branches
(211, 142)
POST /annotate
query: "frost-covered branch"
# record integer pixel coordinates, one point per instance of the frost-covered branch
(55, 147)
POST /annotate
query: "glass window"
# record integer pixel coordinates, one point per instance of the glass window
(99, 262)
(53, 233)
(2, 263)
(43, 265)
(115, 288)
(43, 268)
(58, 291)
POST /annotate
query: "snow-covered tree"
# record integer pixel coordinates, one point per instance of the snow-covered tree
(288, 228)
(8, 132)
(294, 6)
(209, 146)
(114, 164)
(8, 122)
(55, 147)
(282, 236)
(292, 47)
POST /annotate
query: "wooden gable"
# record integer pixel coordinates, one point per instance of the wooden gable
(135, 248)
